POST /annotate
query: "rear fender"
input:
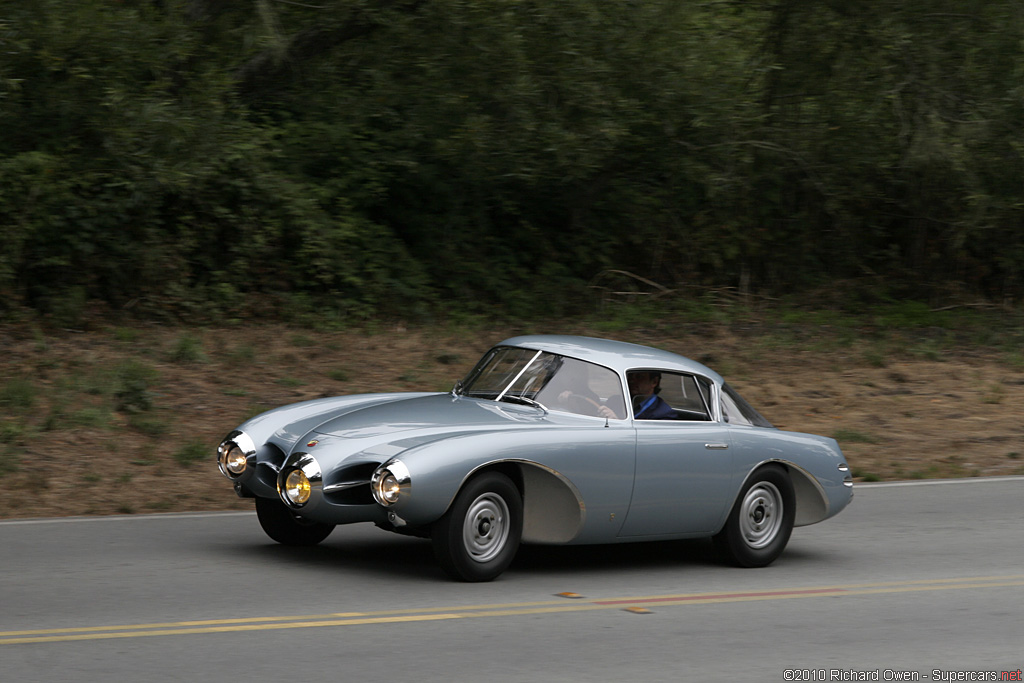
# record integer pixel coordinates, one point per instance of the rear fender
(811, 501)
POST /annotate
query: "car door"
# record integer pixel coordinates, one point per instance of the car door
(684, 471)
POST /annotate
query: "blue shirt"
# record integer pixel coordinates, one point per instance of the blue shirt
(655, 408)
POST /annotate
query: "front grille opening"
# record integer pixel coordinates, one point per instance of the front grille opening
(356, 495)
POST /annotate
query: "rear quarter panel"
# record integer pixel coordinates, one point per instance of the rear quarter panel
(816, 459)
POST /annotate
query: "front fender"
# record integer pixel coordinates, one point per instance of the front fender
(568, 478)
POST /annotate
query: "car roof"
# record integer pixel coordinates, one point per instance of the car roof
(618, 355)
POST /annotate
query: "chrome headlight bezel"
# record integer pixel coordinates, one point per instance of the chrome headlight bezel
(390, 483)
(311, 480)
(236, 454)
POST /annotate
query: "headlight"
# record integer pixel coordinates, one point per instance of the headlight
(297, 488)
(300, 480)
(388, 488)
(233, 454)
(390, 482)
(234, 461)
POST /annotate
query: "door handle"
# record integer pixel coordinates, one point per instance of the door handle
(716, 446)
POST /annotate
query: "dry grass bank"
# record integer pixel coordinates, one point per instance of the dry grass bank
(126, 420)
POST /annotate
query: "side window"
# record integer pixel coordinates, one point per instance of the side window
(676, 396)
(683, 393)
(584, 389)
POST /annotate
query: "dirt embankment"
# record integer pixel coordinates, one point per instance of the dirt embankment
(127, 420)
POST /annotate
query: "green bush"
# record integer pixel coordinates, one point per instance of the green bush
(17, 394)
(133, 391)
(166, 161)
(191, 453)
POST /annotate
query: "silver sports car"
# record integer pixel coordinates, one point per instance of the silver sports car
(549, 439)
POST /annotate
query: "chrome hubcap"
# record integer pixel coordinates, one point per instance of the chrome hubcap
(761, 515)
(485, 529)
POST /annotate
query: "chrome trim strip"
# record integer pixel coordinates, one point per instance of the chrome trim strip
(344, 485)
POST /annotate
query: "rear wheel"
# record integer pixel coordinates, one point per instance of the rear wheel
(761, 521)
(478, 537)
(288, 528)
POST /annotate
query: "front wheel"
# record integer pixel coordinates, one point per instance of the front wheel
(479, 535)
(288, 528)
(761, 521)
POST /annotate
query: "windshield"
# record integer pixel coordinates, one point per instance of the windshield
(552, 381)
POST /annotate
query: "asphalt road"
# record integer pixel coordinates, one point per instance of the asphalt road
(921, 579)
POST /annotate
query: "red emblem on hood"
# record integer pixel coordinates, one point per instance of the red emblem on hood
(312, 443)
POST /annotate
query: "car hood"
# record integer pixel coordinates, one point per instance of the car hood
(426, 413)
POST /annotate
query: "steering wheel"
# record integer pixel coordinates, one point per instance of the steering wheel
(581, 397)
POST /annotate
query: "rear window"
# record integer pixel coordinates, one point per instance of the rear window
(735, 410)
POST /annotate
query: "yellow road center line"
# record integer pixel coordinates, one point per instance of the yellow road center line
(496, 610)
(302, 618)
(845, 588)
(226, 629)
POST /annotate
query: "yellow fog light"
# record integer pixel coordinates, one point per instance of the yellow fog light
(296, 487)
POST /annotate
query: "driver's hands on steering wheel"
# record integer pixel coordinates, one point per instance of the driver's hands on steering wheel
(602, 410)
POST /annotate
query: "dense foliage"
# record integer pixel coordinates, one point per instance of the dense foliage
(201, 157)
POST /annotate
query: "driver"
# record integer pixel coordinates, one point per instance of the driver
(644, 386)
(571, 388)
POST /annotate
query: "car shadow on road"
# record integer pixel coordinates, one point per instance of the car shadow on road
(400, 556)
(407, 557)
(390, 554)
(625, 556)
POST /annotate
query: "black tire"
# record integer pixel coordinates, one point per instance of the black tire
(761, 521)
(288, 528)
(478, 537)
